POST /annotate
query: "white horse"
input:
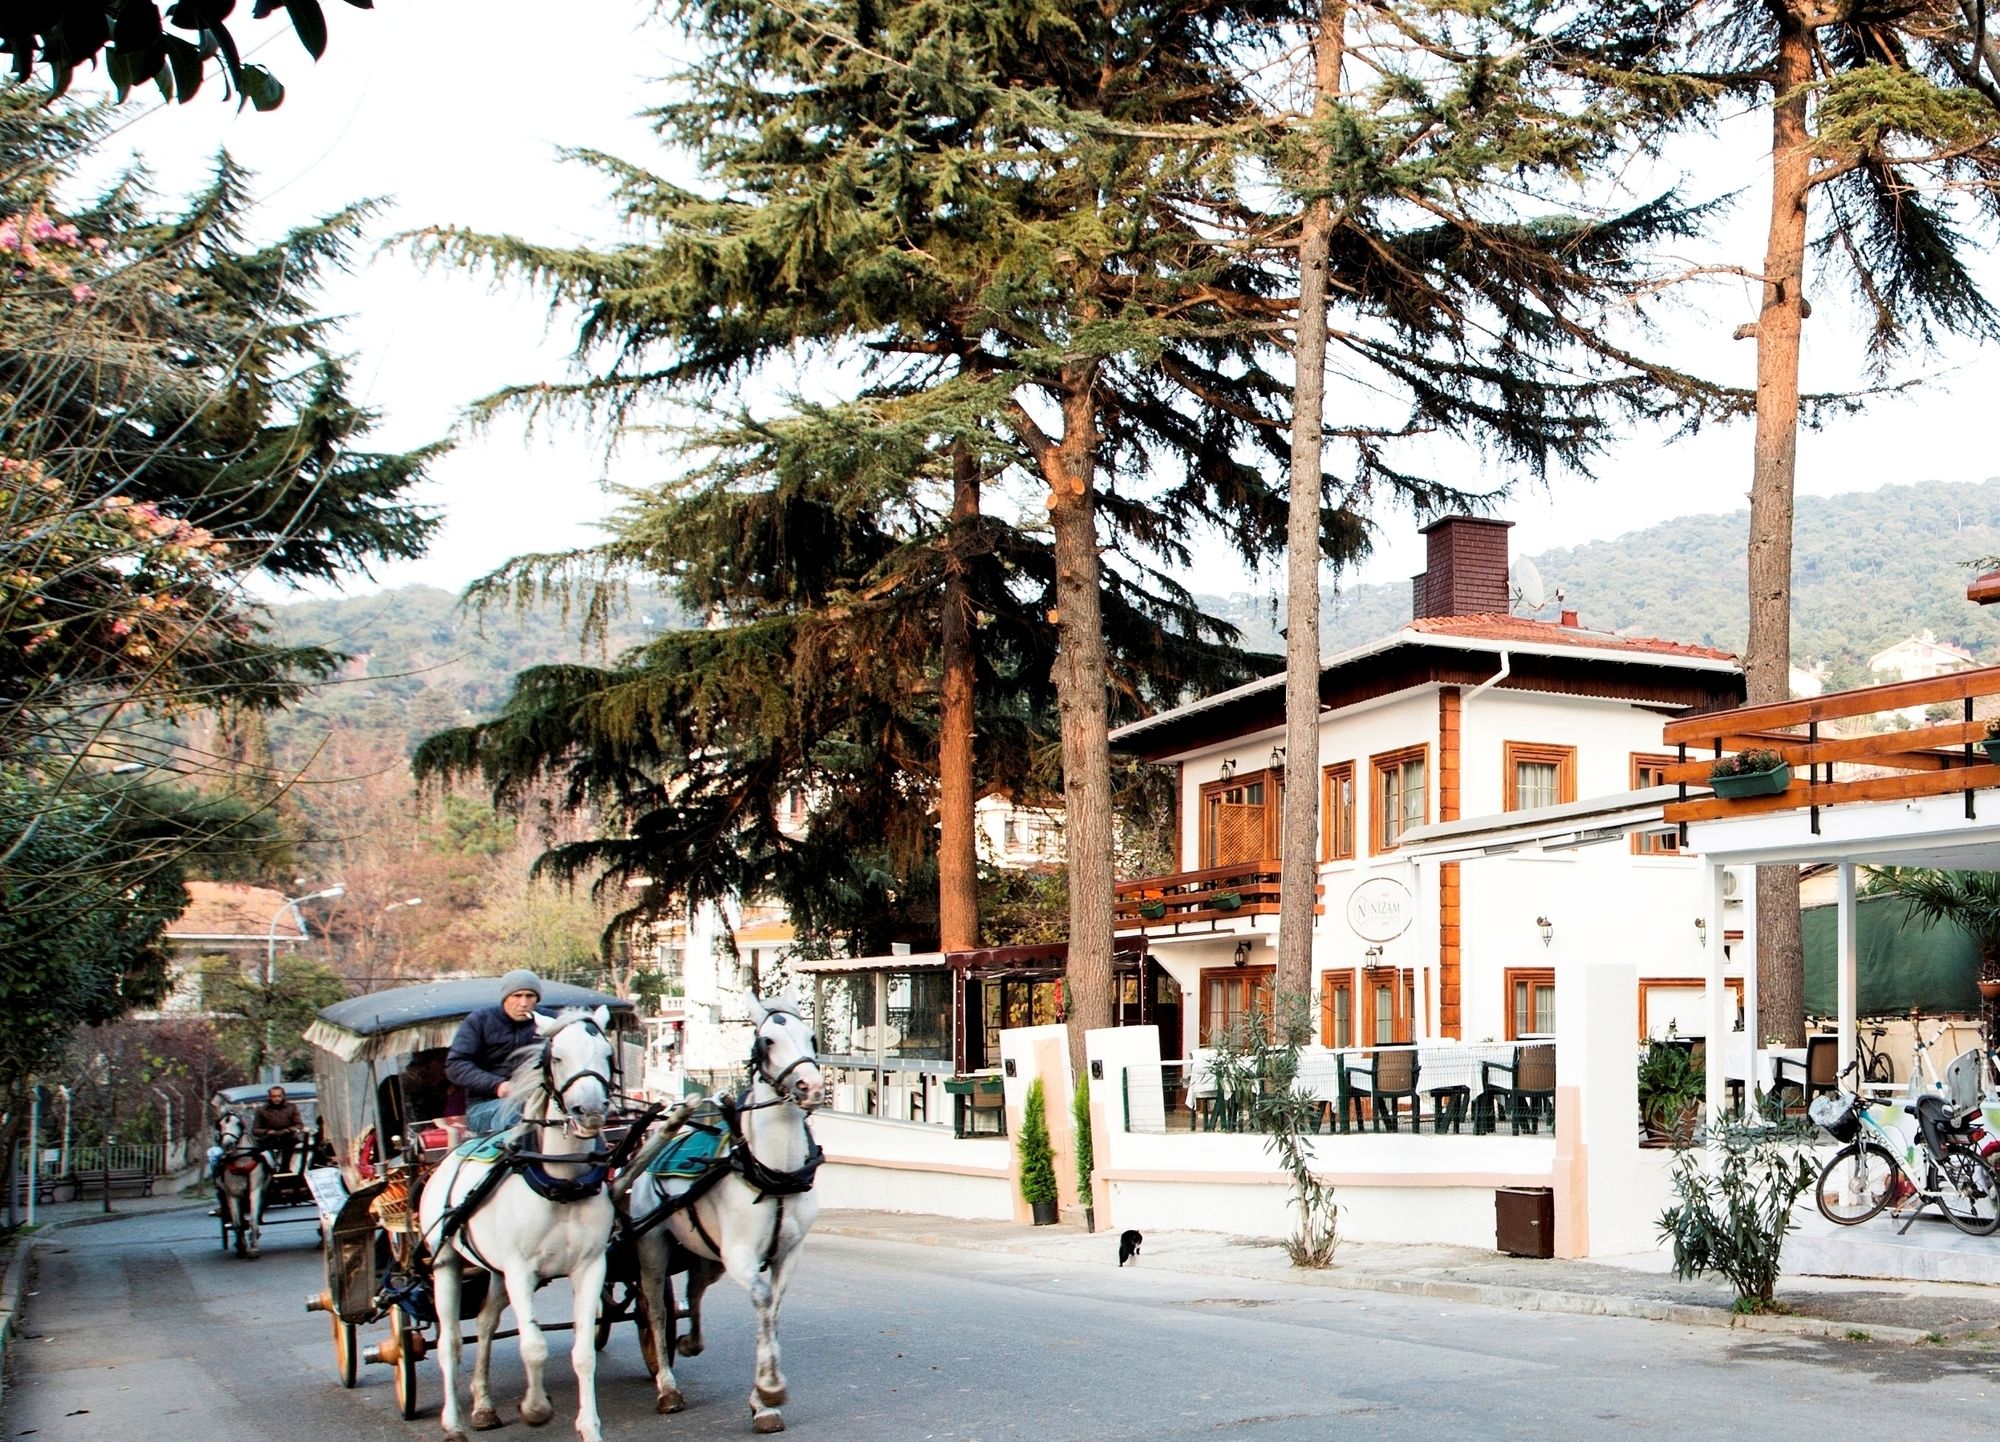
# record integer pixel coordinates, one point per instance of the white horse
(548, 1217)
(748, 1218)
(241, 1174)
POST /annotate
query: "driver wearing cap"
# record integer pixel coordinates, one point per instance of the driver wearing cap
(482, 1054)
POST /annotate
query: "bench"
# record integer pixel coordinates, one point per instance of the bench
(45, 1189)
(118, 1182)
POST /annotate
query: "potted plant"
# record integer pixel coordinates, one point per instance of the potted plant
(1079, 1113)
(1226, 900)
(1038, 1159)
(1991, 745)
(1671, 1093)
(1757, 772)
(1153, 910)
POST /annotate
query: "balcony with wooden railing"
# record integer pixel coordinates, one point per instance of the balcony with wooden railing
(1165, 903)
(1875, 762)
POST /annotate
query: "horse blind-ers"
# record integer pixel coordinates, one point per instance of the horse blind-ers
(546, 1216)
(241, 1174)
(748, 1215)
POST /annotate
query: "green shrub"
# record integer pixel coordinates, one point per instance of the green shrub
(1080, 1115)
(1038, 1161)
(1733, 1206)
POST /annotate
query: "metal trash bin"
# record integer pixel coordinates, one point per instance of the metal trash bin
(1525, 1221)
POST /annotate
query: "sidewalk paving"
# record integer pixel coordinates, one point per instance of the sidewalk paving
(1639, 1286)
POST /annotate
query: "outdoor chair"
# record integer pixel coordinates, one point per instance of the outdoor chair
(1353, 1081)
(1528, 1091)
(1819, 1073)
(1394, 1078)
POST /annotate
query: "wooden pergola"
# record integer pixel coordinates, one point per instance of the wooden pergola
(1862, 794)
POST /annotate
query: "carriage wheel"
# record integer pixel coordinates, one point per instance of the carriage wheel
(611, 1310)
(406, 1362)
(345, 1353)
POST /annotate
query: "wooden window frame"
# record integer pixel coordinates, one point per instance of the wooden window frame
(1274, 783)
(1402, 988)
(1681, 983)
(1513, 753)
(1329, 983)
(1336, 824)
(1657, 843)
(1378, 764)
(1522, 976)
(1249, 974)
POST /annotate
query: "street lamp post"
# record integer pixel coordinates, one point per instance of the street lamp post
(270, 1068)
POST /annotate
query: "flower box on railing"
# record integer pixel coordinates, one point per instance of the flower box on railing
(1226, 900)
(1769, 782)
(1153, 910)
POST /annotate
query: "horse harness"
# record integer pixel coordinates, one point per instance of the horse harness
(769, 1183)
(532, 1167)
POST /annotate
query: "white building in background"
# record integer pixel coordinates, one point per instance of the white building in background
(716, 957)
(1918, 658)
(246, 924)
(1014, 837)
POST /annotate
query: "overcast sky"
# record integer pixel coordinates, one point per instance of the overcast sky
(454, 110)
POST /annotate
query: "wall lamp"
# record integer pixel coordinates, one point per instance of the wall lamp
(1228, 769)
(1547, 929)
(1278, 760)
(1372, 955)
(1242, 957)
(1701, 929)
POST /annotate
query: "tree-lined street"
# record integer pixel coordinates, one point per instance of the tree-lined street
(141, 1327)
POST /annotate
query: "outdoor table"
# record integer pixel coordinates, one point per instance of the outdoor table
(1736, 1067)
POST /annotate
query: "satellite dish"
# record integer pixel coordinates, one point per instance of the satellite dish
(1526, 584)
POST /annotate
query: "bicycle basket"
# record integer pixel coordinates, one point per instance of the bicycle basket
(1835, 1113)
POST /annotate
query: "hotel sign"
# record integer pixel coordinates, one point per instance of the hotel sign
(1380, 909)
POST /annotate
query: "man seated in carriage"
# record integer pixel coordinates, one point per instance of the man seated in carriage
(278, 1128)
(482, 1054)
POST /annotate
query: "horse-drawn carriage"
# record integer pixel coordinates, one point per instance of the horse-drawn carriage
(254, 1176)
(425, 1224)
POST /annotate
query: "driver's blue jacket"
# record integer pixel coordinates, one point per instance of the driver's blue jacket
(482, 1054)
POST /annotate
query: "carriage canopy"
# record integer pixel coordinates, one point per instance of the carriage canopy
(358, 1043)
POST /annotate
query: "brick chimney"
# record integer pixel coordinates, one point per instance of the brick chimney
(1466, 573)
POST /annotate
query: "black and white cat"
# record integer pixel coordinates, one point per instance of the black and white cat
(1128, 1246)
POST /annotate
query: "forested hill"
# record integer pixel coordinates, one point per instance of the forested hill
(423, 662)
(1869, 569)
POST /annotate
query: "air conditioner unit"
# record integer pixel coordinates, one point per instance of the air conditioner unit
(1735, 883)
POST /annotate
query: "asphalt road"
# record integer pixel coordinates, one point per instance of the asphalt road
(142, 1328)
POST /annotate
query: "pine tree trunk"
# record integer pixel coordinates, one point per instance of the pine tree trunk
(1083, 707)
(958, 859)
(1767, 656)
(1298, 847)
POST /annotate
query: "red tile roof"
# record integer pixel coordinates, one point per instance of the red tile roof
(234, 908)
(1549, 633)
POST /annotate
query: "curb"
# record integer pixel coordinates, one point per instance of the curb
(13, 1287)
(1489, 1294)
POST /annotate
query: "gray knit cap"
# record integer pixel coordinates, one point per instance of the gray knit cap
(521, 979)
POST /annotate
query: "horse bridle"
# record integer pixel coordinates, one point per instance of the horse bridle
(760, 1051)
(559, 1094)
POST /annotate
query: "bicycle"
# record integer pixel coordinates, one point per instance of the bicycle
(1876, 1166)
(1876, 1066)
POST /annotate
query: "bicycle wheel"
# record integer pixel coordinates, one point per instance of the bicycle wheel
(1856, 1183)
(1880, 1069)
(1969, 1191)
